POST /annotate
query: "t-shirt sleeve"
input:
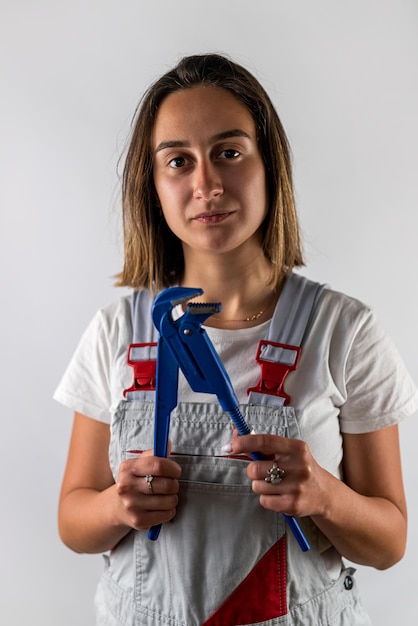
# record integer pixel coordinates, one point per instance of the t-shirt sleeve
(85, 386)
(379, 390)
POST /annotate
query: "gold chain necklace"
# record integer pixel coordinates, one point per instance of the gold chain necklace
(250, 318)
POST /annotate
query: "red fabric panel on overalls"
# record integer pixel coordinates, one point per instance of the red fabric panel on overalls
(262, 594)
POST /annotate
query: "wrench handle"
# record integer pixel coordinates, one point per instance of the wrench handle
(154, 532)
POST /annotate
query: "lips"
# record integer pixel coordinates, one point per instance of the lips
(211, 218)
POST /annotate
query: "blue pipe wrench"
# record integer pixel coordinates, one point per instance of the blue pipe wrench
(184, 344)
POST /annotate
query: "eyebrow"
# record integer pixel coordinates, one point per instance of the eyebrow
(175, 143)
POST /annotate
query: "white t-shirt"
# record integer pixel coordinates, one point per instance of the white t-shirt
(350, 377)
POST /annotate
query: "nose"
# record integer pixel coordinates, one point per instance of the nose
(207, 183)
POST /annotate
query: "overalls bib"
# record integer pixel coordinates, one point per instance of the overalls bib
(223, 560)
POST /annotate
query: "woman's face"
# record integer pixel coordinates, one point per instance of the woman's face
(208, 171)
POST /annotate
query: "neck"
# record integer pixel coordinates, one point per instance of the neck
(239, 282)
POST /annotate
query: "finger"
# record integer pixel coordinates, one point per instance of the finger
(159, 503)
(143, 519)
(158, 517)
(273, 446)
(265, 444)
(156, 485)
(154, 465)
(280, 498)
(131, 485)
(281, 503)
(270, 472)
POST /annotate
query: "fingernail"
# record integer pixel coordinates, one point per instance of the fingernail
(227, 448)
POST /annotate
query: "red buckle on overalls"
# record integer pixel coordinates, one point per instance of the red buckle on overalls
(276, 360)
(144, 368)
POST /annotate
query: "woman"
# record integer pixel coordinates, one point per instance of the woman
(208, 203)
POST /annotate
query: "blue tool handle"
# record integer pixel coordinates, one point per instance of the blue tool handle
(239, 422)
(297, 532)
(154, 532)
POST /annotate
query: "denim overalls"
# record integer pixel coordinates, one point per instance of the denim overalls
(223, 560)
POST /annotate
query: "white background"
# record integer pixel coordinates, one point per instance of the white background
(343, 76)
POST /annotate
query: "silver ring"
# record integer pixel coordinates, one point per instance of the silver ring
(149, 478)
(275, 475)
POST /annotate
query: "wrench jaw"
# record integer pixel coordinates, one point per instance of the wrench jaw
(198, 312)
(195, 316)
(170, 298)
(182, 339)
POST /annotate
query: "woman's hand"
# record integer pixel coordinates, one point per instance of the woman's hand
(147, 487)
(301, 490)
(94, 512)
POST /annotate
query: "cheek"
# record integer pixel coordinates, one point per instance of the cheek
(255, 190)
(159, 188)
(172, 206)
(170, 194)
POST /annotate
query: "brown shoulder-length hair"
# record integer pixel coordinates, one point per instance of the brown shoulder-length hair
(153, 254)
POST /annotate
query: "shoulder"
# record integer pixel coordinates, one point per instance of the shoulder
(337, 311)
(329, 305)
(116, 314)
(347, 329)
(109, 331)
(127, 320)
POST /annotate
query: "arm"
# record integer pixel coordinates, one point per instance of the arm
(364, 516)
(94, 512)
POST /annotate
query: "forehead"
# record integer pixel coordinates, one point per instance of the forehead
(198, 111)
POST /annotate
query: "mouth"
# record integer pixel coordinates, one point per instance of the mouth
(211, 218)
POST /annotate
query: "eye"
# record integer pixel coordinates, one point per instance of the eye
(229, 153)
(177, 162)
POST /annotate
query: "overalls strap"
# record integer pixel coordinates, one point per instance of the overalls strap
(143, 329)
(294, 310)
(143, 349)
(279, 353)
